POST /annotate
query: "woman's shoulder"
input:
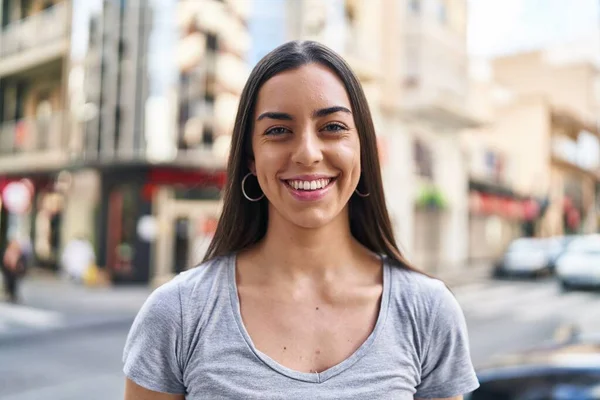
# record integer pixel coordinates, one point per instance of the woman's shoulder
(190, 286)
(204, 273)
(425, 301)
(413, 286)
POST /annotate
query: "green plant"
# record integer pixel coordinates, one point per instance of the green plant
(431, 198)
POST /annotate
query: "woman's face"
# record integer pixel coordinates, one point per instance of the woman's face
(305, 145)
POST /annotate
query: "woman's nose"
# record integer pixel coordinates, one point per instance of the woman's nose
(307, 149)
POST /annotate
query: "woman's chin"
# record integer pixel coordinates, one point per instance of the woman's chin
(312, 219)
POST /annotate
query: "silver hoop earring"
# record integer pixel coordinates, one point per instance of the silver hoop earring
(361, 194)
(244, 190)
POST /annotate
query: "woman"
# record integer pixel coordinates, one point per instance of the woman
(303, 292)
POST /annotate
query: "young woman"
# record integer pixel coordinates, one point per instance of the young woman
(303, 293)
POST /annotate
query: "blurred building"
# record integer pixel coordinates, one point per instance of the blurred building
(560, 104)
(543, 111)
(34, 48)
(118, 118)
(411, 59)
(428, 90)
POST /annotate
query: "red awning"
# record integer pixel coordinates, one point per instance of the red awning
(506, 207)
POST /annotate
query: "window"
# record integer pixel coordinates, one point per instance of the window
(123, 49)
(211, 42)
(415, 6)
(423, 159)
(47, 4)
(443, 12)
(411, 64)
(207, 135)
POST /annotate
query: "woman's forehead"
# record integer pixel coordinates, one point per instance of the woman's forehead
(310, 85)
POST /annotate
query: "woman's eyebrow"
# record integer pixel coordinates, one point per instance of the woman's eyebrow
(275, 115)
(316, 114)
(330, 110)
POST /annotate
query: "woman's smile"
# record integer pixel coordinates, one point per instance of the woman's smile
(309, 187)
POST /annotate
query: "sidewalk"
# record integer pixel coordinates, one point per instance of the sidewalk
(476, 272)
(49, 303)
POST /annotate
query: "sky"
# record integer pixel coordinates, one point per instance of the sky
(268, 24)
(506, 26)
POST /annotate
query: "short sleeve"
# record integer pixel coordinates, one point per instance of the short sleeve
(446, 367)
(153, 350)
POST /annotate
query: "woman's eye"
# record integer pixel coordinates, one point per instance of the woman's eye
(278, 130)
(334, 128)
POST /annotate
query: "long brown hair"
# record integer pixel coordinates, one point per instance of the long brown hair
(244, 223)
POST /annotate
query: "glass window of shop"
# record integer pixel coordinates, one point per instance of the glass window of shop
(47, 227)
(122, 217)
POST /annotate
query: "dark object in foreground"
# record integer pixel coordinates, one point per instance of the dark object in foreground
(560, 371)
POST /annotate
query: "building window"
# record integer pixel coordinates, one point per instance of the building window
(443, 12)
(415, 6)
(211, 42)
(494, 165)
(207, 135)
(411, 64)
(423, 159)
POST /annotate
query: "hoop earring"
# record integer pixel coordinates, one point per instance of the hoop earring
(361, 194)
(244, 190)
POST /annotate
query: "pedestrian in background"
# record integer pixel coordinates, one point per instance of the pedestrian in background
(14, 267)
(77, 258)
(303, 292)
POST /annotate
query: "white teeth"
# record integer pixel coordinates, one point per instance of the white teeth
(309, 185)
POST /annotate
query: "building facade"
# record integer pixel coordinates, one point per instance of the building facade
(118, 121)
(541, 116)
(432, 96)
(411, 59)
(33, 122)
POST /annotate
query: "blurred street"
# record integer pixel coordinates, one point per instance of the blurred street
(66, 341)
(82, 364)
(506, 316)
(116, 126)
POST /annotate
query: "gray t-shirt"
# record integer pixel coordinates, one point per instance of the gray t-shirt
(189, 338)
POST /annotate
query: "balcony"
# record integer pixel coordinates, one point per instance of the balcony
(35, 40)
(443, 109)
(33, 144)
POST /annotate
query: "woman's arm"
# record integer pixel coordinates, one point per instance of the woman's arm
(134, 391)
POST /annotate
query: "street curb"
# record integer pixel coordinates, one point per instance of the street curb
(69, 328)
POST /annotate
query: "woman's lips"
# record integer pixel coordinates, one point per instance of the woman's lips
(309, 190)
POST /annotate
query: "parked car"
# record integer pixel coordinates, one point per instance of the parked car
(557, 246)
(526, 256)
(579, 265)
(567, 371)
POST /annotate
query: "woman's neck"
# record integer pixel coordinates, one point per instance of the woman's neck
(292, 252)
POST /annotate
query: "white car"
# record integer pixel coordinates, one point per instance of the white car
(525, 256)
(580, 263)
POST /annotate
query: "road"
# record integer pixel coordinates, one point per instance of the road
(86, 363)
(80, 364)
(506, 316)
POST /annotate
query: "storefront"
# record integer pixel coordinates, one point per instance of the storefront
(497, 216)
(31, 210)
(142, 233)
